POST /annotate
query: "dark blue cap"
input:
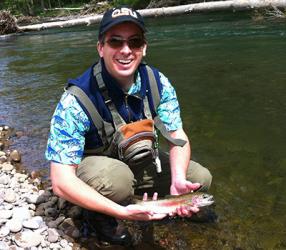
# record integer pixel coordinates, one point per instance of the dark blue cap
(116, 16)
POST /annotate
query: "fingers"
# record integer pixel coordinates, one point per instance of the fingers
(186, 211)
(145, 197)
(154, 198)
(194, 186)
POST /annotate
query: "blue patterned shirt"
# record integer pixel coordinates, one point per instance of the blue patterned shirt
(70, 123)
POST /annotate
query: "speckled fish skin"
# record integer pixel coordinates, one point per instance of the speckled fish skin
(170, 204)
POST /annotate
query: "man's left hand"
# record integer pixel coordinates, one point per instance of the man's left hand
(182, 187)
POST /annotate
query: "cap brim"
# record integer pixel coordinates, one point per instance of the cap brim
(142, 27)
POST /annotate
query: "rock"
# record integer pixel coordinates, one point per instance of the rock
(69, 228)
(21, 213)
(31, 224)
(21, 177)
(53, 235)
(10, 196)
(2, 222)
(15, 156)
(4, 179)
(40, 210)
(4, 245)
(15, 225)
(61, 203)
(4, 231)
(74, 212)
(33, 198)
(2, 160)
(28, 239)
(55, 223)
(5, 214)
(64, 243)
(51, 212)
(7, 167)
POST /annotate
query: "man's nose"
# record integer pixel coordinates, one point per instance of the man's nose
(125, 48)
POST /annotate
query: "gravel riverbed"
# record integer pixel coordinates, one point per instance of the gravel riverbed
(31, 217)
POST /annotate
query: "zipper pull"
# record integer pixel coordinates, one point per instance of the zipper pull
(158, 164)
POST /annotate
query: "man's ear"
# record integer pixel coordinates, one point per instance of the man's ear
(99, 47)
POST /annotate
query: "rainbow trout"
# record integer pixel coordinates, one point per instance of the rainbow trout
(170, 204)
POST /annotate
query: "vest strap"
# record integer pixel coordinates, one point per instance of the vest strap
(147, 111)
(161, 127)
(84, 99)
(117, 119)
(156, 101)
(104, 134)
(154, 87)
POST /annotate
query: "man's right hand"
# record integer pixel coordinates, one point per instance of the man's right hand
(139, 212)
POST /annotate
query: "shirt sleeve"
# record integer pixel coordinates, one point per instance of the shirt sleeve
(68, 126)
(169, 109)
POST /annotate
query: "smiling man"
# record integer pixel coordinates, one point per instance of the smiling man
(103, 142)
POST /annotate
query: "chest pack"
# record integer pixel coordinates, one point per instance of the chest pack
(134, 143)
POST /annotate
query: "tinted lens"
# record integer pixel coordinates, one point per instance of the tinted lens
(133, 43)
(115, 42)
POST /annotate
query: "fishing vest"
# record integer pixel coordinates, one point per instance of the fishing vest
(123, 126)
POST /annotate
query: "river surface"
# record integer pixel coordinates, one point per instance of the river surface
(229, 73)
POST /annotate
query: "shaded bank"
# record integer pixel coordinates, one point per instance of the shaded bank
(231, 5)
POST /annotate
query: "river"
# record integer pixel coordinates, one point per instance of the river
(229, 73)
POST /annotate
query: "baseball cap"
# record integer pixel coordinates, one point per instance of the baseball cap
(116, 16)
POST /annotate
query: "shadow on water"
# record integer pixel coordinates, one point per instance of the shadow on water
(229, 73)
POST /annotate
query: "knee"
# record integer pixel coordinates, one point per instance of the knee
(110, 177)
(206, 179)
(200, 174)
(120, 185)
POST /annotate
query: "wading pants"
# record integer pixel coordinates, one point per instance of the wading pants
(117, 181)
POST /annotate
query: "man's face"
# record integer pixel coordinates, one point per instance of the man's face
(122, 60)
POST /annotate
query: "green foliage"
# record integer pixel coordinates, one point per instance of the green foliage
(137, 4)
(34, 7)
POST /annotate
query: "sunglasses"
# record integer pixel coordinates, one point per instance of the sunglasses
(117, 42)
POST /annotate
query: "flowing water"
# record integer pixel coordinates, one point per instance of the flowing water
(229, 73)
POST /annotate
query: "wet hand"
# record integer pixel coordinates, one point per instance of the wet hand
(138, 212)
(184, 211)
(183, 186)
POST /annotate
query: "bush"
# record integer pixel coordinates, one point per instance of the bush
(136, 4)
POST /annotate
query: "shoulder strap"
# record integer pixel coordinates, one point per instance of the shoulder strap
(86, 102)
(117, 119)
(161, 127)
(156, 101)
(153, 87)
(101, 125)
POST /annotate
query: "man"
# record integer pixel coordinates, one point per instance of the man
(103, 145)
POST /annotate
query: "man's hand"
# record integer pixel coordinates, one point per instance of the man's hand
(138, 212)
(182, 187)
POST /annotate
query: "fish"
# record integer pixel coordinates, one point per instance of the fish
(171, 203)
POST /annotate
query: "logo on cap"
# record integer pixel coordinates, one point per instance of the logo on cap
(123, 12)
